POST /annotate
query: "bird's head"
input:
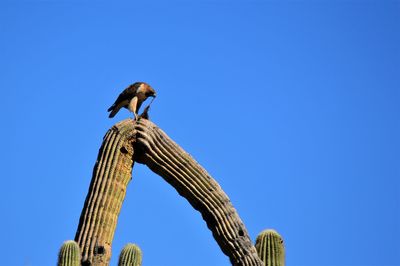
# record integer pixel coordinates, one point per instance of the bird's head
(147, 90)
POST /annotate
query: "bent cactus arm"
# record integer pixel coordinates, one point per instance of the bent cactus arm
(145, 143)
(164, 157)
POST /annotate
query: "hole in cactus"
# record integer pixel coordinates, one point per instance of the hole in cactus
(123, 150)
(241, 233)
(100, 250)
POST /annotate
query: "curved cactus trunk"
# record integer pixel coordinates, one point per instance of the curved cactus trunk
(69, 254)
(131, 255)
(111, 175)
(163, 156)
(269, 245)
(145, 143)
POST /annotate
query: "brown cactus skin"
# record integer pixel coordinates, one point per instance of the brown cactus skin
(164, 157)
(111, 175)
(270, 248)
(145, 143)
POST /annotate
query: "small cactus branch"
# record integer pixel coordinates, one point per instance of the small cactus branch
(69, 254)
(270, 248)
(164, 157)
(131, 255)
(111, 175)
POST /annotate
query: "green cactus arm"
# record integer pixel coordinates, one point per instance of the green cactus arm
(111, 175)
(131, 255)
(164, 157)
(69, 254)
(270, 248)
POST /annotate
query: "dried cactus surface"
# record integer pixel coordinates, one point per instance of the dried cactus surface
(145, 143)
(111, 175)
(131, 255)
(163, 156)
(270, 248)
(70, 254)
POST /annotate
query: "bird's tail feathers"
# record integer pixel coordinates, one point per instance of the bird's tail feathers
(112, 114)
(111, 107)
(114, 110)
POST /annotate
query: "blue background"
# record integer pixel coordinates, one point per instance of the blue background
(292, 106)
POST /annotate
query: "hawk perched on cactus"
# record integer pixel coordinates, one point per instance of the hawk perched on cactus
(132, 98)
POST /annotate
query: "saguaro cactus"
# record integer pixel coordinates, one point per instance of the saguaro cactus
(270, 248)
(131, 255)
(69, 254)
(145, 143)
(111, 175)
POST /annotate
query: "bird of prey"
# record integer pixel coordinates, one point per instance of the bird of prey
(132, 98)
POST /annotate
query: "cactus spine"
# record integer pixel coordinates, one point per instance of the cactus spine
(70, 254)
(270, 249)
(131, 255)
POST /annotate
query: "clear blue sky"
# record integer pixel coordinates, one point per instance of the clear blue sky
(292, 106)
